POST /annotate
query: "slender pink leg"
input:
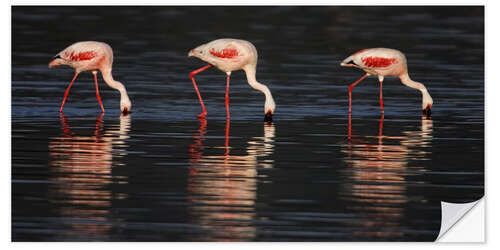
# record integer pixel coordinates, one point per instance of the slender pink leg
(349, 137)
(381, 99)
(97, 90)
(226, 141)
(380, 130)
(191, 75)
(67, 92)
(352, 86)
(349, 128)
(227, 96)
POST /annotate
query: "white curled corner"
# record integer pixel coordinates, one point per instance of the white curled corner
(451, 213)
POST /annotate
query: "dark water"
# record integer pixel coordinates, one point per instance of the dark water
(160, 174)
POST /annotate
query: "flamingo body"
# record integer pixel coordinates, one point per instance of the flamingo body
(92, 56)
(386, 62)
(230, 55)
(84, 56)
(227, 54)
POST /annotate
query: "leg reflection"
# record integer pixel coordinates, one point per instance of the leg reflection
(222, 186)
(377, 178)
(81, 170)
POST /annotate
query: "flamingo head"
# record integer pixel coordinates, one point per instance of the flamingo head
(268, 117)
(427, 111)
(269, 108)
(125, 105)
(199, 52)
(56, 61)
(427, 105)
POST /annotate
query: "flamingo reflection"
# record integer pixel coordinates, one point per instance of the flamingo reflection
(378, 175)
(223, 187)
(81, 168)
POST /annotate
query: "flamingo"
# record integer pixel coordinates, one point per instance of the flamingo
(229, 55)
(93, 56)
(385, 62)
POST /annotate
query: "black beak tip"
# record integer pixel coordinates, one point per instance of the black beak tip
(427, 112)
(268, 117)
(125, 112)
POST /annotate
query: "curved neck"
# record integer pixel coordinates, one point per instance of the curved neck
(108, 78)
(426, 97)
(252, 81)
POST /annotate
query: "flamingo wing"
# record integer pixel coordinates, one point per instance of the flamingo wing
(81, 51)
(376, 58)
(225, 49)
(227, 52)
(79, 55)
(378, 61)
(371, 59)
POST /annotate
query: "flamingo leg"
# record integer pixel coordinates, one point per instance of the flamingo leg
(352, 86)
(67, 91)
(227, 95)
(380, 135)
(97, 91)
(349, 128)
(349, 137)
(226, 141)
(191, 75)
(381, 99)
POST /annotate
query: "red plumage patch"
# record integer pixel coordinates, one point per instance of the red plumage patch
(378, 62)
(225, 53)
(82, 56)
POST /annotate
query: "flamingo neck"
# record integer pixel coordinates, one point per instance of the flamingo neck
(250, 71)
(426, 97)
(125, 104)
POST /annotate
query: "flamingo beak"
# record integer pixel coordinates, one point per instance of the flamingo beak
(427, 111)
(346, 63)
(191, 53)
(53, 63)
(269, 116)
(56, 61)
(125, 111)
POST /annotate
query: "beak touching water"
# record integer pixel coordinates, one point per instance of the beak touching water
(427, 111)
(125, 111)
(268, 117)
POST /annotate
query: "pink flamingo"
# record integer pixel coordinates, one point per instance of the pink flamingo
(229, 55)
(93, 56)
(385, 62)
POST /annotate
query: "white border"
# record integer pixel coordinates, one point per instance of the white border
(491, 130)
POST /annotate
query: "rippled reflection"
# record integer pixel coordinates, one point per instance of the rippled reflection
(223, 187)
(81, 167)
(378, 176)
